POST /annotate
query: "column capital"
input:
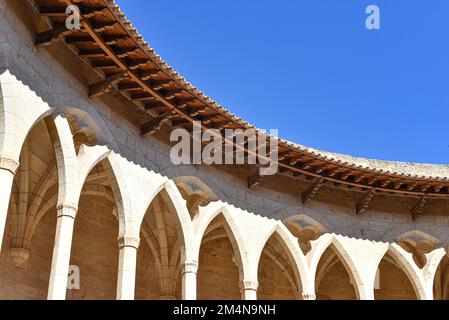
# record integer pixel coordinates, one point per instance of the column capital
(308, 296)
(9, 165)
(250, 285)
(67, 210)
(190, 267)
(128, 241)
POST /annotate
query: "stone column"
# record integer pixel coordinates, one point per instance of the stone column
(249, 290)
(366, 292)
(127, 267)
(8, 169)
(60, 265)
(189, 274)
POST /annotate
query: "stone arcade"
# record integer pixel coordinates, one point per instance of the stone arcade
(86, 181)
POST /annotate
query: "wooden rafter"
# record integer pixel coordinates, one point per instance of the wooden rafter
(363, 204)
(107, 42)
(104, 86)
(309, 194)
(155, 124)
(254, 180)
(47, 38)
(418, 208)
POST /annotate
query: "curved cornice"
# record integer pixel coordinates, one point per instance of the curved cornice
(110, 43)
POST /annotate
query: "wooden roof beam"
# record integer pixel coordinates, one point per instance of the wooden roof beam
(109, 40)
(148, 74)
(254, 180)
(218, 125)
(180, 122)
(333, 172)
(295, 160)
(310, 193)
(154, 105)
(141, 96)
(101, 27)
(104, 65)
(173, 94)
(160, 84)
(104, 86)
(90, 54)
(193, 111)
(372, 180)
(138, 63)
(418, 208)
(362, 205)
(129, 86)
(284, 155)
(59, 11)
(155, 124)
(346, 174)
(47, 38)
(321, 169)
(309, 164)
(398, 184)
(385, 183)
(411, 186)
(359, 178)
(123, 53)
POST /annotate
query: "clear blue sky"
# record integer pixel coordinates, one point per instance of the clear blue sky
(311, 69)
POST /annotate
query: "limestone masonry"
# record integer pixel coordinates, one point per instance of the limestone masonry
(90, 198)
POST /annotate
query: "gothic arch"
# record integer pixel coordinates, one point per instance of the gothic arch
(330, 242)
(296, 258)
(18, 99)
(182, 214)
(204, 219)
(422, 280)
(218, 217)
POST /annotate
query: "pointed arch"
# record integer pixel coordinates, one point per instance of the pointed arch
(165, 235)
(296, 258)
(330, 242)
(406, 264)
(422, 280)
(441, 282)
(204, 219)
(319, 246)
(182, 214)
(18, 99)
(221, 253)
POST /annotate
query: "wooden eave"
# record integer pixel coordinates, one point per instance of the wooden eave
(109, 43)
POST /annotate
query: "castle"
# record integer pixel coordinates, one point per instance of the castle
(90, 197)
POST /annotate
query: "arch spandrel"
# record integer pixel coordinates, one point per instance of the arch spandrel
(20, 110)
(296, 257)
(138, 188)
(422, 279)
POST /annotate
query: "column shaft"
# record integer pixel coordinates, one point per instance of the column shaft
(126, 281)
(60, 265)
(189, 281)
(249, 290)
(6, 179)
(8, 169)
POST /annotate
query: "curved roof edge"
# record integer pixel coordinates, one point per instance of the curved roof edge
(189, 103)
